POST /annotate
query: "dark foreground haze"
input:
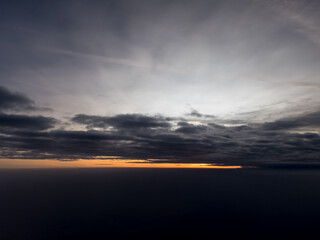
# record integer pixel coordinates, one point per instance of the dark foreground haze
(158, 203)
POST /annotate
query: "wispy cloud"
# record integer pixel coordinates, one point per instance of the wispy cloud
(118, 61)
(302, 14)
(313, 85)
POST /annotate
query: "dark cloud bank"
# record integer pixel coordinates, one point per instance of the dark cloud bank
(138, 136)
(14, 101)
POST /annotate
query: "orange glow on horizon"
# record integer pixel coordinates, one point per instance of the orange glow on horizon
(101, 163)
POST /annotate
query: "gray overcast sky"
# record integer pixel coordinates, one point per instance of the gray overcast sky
(108, 57)
(203, 62)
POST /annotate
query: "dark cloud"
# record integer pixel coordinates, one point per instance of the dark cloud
(188, 128)
(136, 136)
(195, 113)
(11, 121)
(14, 100)
(21, 132)
(123, 121)
(307, 120)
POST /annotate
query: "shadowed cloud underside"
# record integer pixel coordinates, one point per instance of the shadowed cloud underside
(165, 140)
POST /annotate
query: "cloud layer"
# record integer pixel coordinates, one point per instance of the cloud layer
(14, 101)
(114, 57)
(200, 81)
(288, 141)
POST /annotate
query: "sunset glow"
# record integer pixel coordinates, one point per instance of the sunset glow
(102, 163)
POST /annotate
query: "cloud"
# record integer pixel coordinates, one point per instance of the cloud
(187, 128)
(302, 14)
(195, 113)
(11, 121)
(14, 100)
(310, 120)
(123, 121)
(167, 139)
(123, 62)
(137, 136)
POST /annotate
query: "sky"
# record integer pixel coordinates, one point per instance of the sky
(219, 83)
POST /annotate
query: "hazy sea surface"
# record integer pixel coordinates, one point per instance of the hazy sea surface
(112, 203)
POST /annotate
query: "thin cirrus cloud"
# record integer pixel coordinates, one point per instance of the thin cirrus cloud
(302, 14)
(118, 61)
(198, 53)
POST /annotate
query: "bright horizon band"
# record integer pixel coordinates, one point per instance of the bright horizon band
(101, 163)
